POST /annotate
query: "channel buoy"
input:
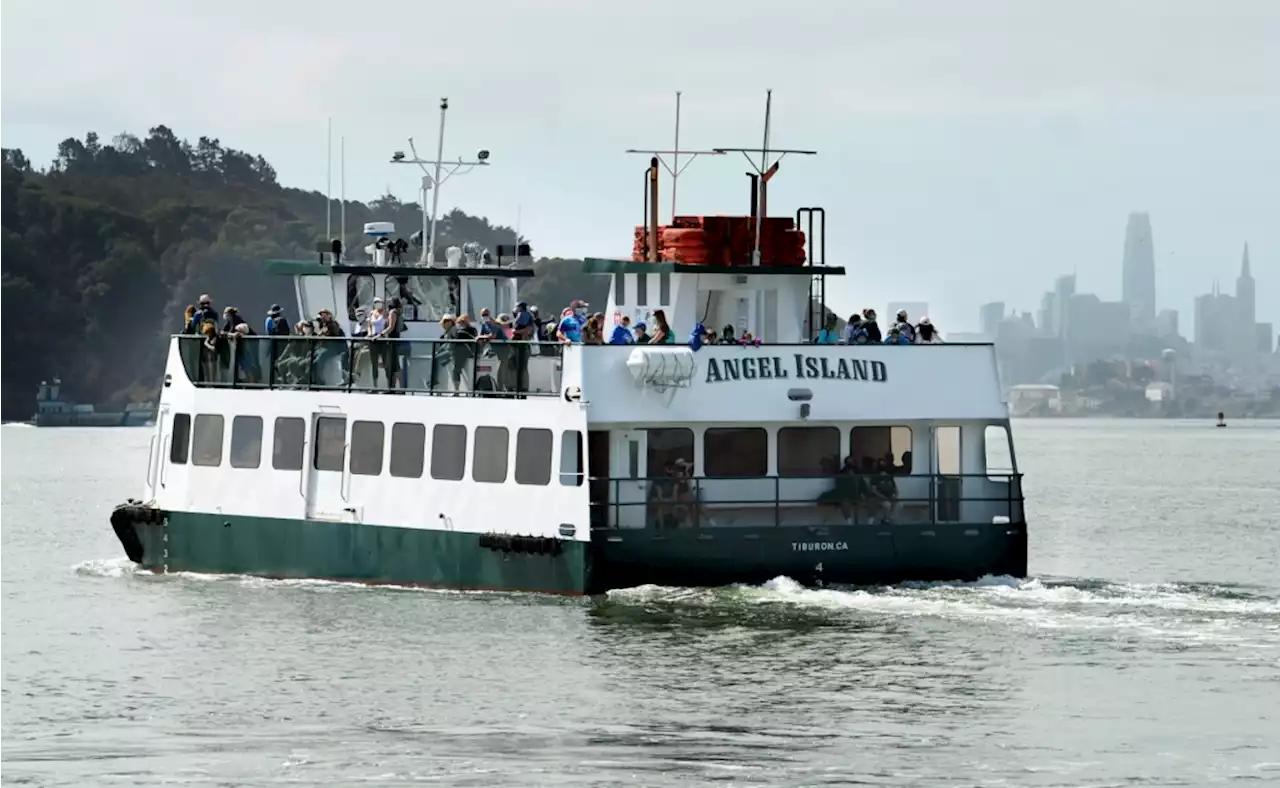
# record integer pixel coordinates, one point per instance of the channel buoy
(1222, 419)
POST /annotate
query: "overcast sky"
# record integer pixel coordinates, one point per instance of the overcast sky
(968, 151)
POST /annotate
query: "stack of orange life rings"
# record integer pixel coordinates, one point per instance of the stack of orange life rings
(724, 241)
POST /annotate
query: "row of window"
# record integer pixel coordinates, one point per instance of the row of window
(802, 451)
(814, 451)
(642, 289)
(426, 298)
(201, 440)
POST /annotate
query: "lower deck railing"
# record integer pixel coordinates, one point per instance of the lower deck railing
(686, 502)
(426, 366)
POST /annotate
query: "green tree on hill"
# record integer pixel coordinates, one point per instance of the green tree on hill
(105, 247)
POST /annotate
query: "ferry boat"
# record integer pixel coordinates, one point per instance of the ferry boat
(578, 468)
(55, 410)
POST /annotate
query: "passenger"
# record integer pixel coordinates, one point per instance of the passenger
(376, 329)
(247, 356)
(593, 330)
(188, 320)
(641, 334)
(209, 353)
(397, 351)
(872, 327)
(851, 327)
(903, 324)
(727, 336)
(464, 354)
(524, 330)
(662, 334)
(622, 333)
(828, 335)
(896, 337)
(276, 325)
(884, 492)
(361, 360)
(327, 349)
(205, 313)
(572, 320)
(860, 335)
(231, 319)
(926, 334)
(492, 338)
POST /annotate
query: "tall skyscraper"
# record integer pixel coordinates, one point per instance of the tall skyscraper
(1246, 297)
(1139, 283)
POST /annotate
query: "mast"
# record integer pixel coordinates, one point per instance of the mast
(764, 171)
(328, 184)
(430, 245)
(342, 221)
(434, 180)
(674, 169)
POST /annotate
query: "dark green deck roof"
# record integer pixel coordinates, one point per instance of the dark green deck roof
(317, 268)
(599, 265)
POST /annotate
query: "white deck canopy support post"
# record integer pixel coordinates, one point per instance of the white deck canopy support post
(432, 180)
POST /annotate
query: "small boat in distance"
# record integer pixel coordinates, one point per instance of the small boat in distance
(575, 468)
(55, 410)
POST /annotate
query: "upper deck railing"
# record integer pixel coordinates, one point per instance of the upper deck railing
(427, 366)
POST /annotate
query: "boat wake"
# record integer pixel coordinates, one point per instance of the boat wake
(1183, 612)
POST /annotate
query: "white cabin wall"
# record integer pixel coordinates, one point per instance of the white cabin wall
(384, 500)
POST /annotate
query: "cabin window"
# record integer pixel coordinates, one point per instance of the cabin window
(571, 458)
(206, 440)
(809, 451)
(947, 445)
(872, 444)
(619, 289)
(246, 442)
(360, 293)
(999, 457)
(481, 293)
(367, 438)
(642, 289)
(286, 443)
(331, 443)
(664, 289)
(408, 449)
(423, 298)
(181, 439)
(490, 461)
(666, 447)
(735, 451)
(448, 451)
(533, 456)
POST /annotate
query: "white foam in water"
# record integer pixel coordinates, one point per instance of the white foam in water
(1161, 610)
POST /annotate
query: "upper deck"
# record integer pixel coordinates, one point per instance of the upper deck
(628, 383)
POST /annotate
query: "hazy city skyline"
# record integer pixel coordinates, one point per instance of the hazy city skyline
(967, 153)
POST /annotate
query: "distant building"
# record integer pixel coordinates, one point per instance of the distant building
(1139, 275)
(1264, 335)
(1213, 317)
(989, 317)
(1246, 292)
(1034, 398)
(1167, 323)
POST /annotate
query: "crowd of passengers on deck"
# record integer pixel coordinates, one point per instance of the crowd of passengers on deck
(387, 357)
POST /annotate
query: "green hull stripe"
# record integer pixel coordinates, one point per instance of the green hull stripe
(285, 548)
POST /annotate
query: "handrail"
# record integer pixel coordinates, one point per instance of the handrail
(692, 509)
(511, 368)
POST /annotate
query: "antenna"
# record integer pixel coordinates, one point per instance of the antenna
(342, 156)
(764, 170)
(328, 184)
(435, 181)
(674, 169)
